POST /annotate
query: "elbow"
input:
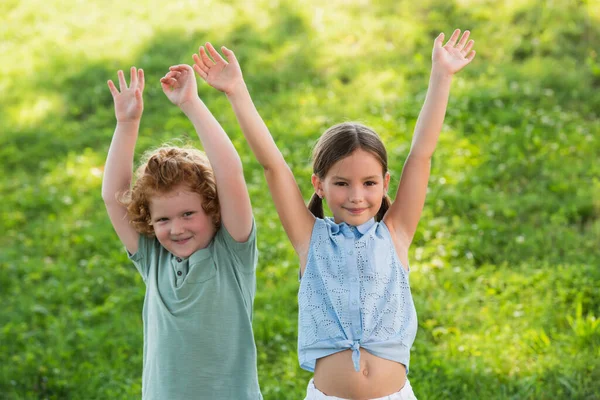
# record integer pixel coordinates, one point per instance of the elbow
(110, 196)
(420, 156)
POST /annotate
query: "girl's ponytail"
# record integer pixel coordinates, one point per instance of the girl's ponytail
(315, 206)
(385, 205)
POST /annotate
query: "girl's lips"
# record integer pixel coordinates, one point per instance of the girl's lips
(355, 210)
(181, 241)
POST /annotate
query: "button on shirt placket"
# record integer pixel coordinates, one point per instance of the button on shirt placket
(354, 285)
(179, 268)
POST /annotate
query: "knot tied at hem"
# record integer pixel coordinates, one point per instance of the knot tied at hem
(356, 355)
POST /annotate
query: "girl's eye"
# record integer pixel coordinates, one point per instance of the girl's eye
(162, 220)
(188, 214)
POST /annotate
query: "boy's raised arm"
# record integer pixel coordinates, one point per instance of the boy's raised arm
(180, 86)
(404, 214)
(119, 162)
(226, 76)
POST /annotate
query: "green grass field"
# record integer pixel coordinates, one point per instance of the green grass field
(506, 260)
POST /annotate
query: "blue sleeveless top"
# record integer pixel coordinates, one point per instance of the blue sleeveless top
(354, 293)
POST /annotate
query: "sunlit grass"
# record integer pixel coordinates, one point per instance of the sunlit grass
(504, 263)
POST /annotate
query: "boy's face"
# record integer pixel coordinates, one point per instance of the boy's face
(354, 188)
(180, 223)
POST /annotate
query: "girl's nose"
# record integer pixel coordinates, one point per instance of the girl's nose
(355, 195)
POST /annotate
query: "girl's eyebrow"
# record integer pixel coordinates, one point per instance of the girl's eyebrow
(366, 178)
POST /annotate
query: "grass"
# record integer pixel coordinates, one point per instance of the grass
(505, 261)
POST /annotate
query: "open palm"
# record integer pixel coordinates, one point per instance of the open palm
(221, 74)
(455, 54)
(129, 105)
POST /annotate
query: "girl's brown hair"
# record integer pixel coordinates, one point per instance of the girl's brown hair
(162, 170)
(339, 142)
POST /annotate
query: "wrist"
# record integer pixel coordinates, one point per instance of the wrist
(440, 74)
(188, 105)
(128, 122)
(236, 90)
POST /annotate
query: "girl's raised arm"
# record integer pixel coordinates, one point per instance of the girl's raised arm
(404, 214)
(119, 162)
(180, 86)
(226, 76)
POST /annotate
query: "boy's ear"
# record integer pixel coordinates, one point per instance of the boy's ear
(317, 185)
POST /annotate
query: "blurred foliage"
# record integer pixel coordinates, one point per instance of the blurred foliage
(505, 264)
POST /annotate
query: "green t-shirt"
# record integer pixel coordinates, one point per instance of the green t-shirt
(198, 339)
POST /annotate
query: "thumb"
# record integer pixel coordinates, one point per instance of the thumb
(229, 54)
(439, 40)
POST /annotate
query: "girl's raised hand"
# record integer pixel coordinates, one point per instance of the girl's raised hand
(179, 84)
(223, 75)
(128, 100)
(453, 56)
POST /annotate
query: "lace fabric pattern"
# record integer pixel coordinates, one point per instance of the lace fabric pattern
(354, 293)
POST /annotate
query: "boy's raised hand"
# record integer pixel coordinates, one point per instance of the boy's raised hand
(223, 75)
(128, 100)
(453, 56)
(179, 84)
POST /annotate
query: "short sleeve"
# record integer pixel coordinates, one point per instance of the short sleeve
(141, 259)
(245, 253)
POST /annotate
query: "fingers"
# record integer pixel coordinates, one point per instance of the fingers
(203, 74)
(180, 69)
(141, 80)
(122, 83)
(205, 58)
(168, 82)
(133, 77)
(471, 56)
(453, 38)
(112, 88)
(463, 40)
(229, 54)
(214, 53)
(199, 64)
(439, 40)
(468, 48)
(170, 78)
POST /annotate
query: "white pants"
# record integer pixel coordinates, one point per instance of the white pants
(406, 393)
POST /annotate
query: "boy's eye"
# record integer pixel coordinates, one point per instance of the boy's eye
(370, 183)
(340, 183)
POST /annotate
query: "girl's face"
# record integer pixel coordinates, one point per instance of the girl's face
(180, 223)
(354, 188)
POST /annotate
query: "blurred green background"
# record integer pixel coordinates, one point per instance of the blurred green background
(506, 260)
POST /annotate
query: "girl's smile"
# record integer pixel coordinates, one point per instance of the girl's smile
(354, 187)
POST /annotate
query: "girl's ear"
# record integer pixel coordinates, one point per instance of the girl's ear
(386, 183)
(317, 185)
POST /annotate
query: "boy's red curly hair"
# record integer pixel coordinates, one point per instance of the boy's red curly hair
(162, 170)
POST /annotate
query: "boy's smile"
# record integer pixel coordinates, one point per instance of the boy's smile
(180, 223)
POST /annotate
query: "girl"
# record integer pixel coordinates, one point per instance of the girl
(187, 226)
(357, 319)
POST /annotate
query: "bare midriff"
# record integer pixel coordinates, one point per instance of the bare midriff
(335, 376)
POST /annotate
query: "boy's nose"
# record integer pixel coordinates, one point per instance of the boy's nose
(176, 228)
